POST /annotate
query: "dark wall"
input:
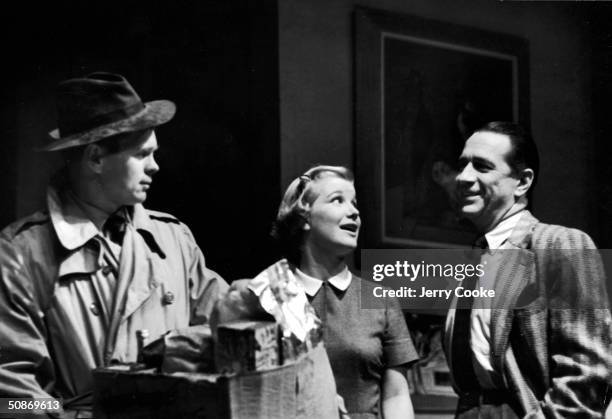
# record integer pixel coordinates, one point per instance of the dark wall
(602, 112)
(216, 59)
(317, 122)
(8, 170)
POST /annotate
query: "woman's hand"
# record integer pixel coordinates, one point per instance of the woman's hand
(396, 402)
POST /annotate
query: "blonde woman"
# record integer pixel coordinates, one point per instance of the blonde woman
(369, 349)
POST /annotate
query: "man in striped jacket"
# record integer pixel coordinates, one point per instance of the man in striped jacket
(541, 348)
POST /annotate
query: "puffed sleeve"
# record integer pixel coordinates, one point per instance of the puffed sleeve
(26, 369)
(206, 286)
(398, 348)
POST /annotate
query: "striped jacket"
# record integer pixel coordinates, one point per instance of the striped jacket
(551, 329)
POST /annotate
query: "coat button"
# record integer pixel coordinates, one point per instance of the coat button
(107, 270)
(95, 309)
(168, 298)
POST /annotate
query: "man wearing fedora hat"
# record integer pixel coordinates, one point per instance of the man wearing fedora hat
(78, 280)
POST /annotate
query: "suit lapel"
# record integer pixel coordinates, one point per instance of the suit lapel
(516, 270)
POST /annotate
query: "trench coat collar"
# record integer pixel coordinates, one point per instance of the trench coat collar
(73, 226)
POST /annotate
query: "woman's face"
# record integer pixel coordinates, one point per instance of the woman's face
(333, 220)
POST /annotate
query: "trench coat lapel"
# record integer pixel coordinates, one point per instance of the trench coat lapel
(137, 272)
(141, 268)
(141, 271)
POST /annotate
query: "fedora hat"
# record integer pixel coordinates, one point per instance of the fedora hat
(101, 105)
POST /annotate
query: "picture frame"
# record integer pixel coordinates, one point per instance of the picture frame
(421, 88)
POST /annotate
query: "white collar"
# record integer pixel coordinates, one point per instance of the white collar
(312, 285)
(502, 231)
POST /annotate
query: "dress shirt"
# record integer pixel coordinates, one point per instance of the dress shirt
(480, 341)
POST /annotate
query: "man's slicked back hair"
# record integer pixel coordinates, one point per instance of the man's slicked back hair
(524, 152)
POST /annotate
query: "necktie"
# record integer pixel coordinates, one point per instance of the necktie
(481, 243)
(115, 227)
(461, 352)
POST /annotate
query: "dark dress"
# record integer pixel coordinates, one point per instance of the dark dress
(361, 343)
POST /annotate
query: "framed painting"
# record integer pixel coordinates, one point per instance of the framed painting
(421, 88)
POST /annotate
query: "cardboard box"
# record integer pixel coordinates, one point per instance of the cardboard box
(302, 390)
(244, 346)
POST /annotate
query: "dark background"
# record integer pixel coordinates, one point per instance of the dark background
(265, 89)
(216, 60)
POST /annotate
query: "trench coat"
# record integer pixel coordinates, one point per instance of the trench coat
(53, 331)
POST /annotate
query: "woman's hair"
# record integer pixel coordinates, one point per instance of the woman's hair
(295, 206)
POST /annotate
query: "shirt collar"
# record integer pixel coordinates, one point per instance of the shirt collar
(75, 221)
(312, 285)
(502, 231)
